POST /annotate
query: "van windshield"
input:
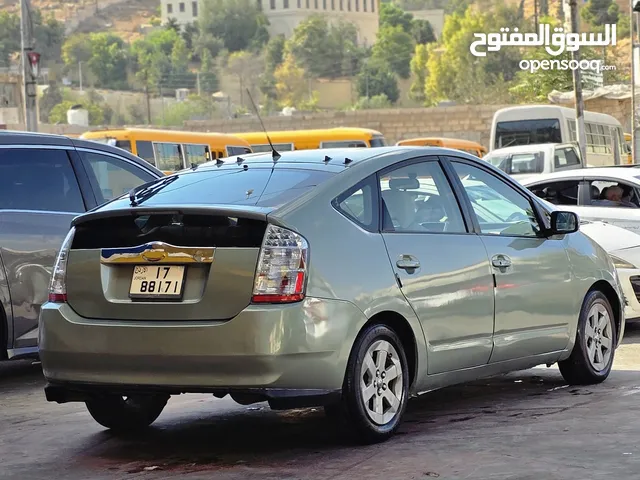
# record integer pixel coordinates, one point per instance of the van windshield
(527, 132)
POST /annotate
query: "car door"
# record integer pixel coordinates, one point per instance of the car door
(39, 196)
(111, 176)
(532, 310)
(621, 216)
(442, 268)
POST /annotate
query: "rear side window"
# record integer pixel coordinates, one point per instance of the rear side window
(262, 187)
(33, 179)
(345, 144)
(566, 157)
(232, 151)
(359, 204)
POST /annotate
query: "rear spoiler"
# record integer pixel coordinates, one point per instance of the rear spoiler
(241, 211)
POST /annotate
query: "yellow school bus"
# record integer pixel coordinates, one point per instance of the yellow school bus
(465, 145)
(310, 139)
(171, 150)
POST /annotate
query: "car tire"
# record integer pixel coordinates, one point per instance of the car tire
(373, 403)
(593, 352)
(126, 414)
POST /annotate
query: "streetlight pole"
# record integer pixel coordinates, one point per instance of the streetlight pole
(577, 87)
(28, 77)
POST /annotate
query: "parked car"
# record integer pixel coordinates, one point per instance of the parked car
(45, 181)
(348, 278)
(585, 192)
(526, 161)
(623, 246)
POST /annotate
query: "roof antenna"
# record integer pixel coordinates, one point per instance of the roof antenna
(274, 152)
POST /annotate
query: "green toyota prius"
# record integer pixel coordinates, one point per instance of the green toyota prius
(352, 279)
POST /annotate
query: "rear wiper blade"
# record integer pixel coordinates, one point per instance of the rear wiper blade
(147, 190)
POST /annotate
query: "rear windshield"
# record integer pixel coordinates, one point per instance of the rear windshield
(527, 132)
(262, 187)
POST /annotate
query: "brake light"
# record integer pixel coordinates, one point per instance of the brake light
(282, 267)
(58, 286)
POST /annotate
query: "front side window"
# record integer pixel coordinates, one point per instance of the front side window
(124, 144)
(418, 198)
(378, 141)
(168, 157)
(145, 151)
(112, 176)
(234, 150)
(38, 179)
(499, 208)
(527, 132)
(559, 193)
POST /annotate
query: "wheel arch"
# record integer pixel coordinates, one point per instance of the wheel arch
(614, 300)
(401, 326)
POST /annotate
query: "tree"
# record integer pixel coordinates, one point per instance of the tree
(422, 31)
(600, 12)
(76, 48)
(180, 56)
(394, 47)
(393, 16)
(377, 102)
(152, 58)
(274, 52)
(419, 71)
(109, 60)
(190, 34)
(325, 50)
(238, 23)
(208, 77)
(9, 37)
(246, 67)
(291, 83)
(172, 24)
(50, 98)
(376, 79)
(58, 113)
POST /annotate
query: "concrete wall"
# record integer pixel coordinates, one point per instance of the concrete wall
(470, 122)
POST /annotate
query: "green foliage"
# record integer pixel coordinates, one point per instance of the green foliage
(600, 12)
(48, 34)
(422, 31)
(419, 71)
(290, 83)
(238, 23)
(109, 60)
(50, 98)
(375, 102)
(208, 78)
(393, 16)
(180, 56)
(190, 34)
(76, 48)
(274, 52)
(9, 37)
(394, 47)
(194, 108)
(58, 113)
(376, 79)
(325, 50)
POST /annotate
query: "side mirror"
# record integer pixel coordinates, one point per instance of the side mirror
(564, 222)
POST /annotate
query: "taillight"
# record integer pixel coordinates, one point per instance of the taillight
(58, 286)
(281, 274)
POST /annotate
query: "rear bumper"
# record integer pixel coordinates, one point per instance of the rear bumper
(277, 351)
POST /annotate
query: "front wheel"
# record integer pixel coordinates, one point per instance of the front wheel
(376, 386)
(592, 356)
(127, 414)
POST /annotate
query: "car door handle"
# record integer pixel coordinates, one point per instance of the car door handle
(408, 262)
(501, 261)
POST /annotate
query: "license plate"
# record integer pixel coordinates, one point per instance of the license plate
(159, 281)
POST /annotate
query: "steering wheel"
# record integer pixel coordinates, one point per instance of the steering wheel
(517, 216)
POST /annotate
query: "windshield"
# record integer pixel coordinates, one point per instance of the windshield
(378, 141)
(527, 132)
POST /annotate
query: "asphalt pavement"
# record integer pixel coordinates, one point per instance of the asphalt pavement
(525, 425)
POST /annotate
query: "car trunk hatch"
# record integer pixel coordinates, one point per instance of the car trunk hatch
(164, 264)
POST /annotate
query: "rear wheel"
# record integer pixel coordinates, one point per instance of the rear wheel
(127, 414)
(376, 386)
(592, 356)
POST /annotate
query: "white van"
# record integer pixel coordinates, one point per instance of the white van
(528, 160)
(535, 124)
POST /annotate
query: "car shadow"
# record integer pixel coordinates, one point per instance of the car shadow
(256, 436)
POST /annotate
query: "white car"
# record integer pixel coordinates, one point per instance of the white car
(623, 246)
(584, 191)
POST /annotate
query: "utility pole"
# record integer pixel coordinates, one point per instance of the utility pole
(198, 83)
(80, 74)
(635, 7)
(577, 87)
(28, 73)
(535, 13)
(146, 93)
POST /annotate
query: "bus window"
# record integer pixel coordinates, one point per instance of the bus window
(168, 157)
(232, 150)
(124, 144)
(145, 151)
(195, 154)
(347, 143)
(280, 147)
(527, 132)
(378, 141)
